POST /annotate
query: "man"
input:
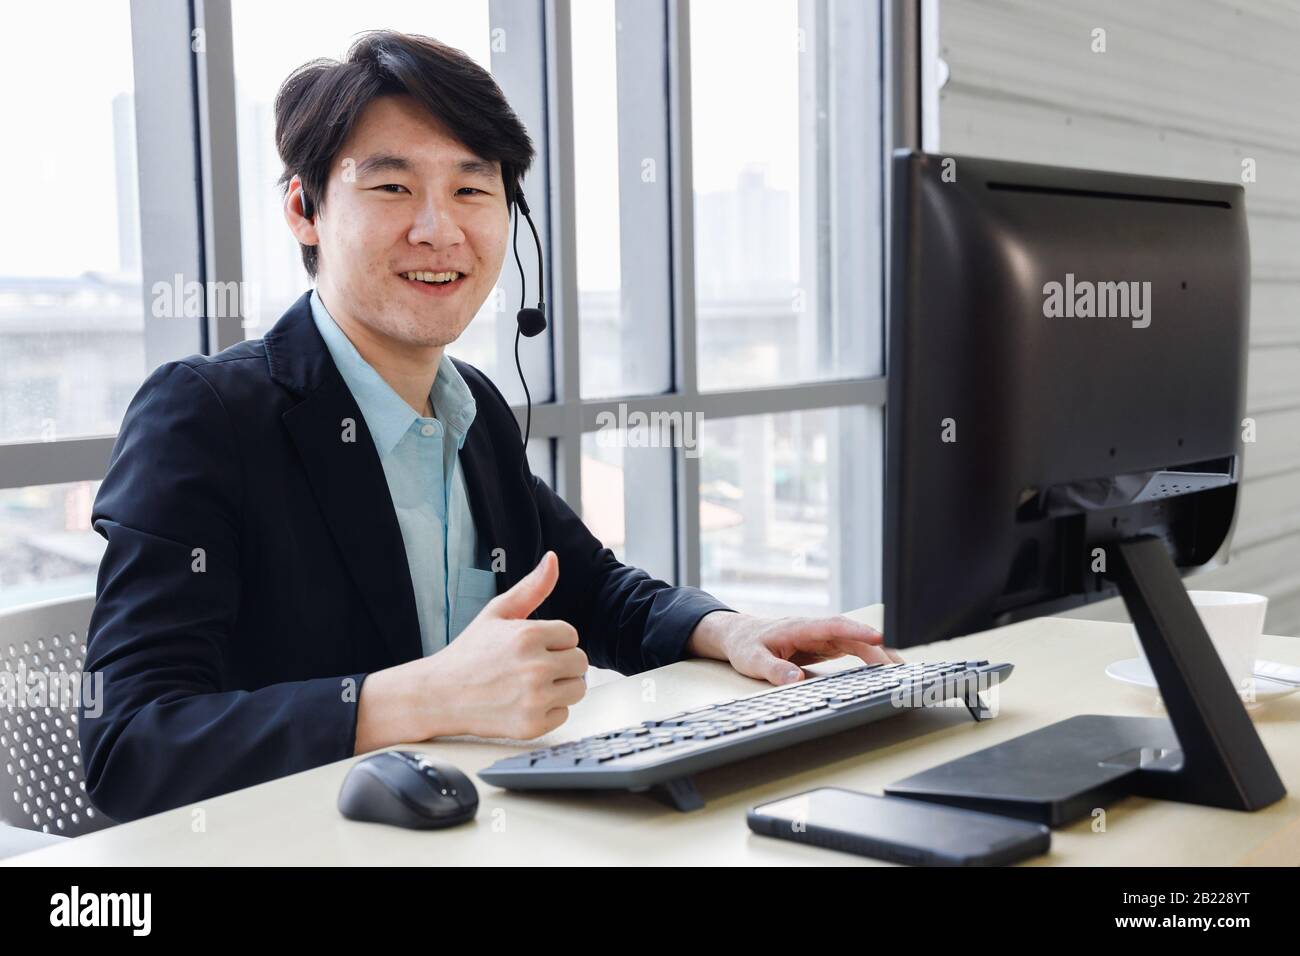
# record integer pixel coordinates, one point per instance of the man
(329, 541)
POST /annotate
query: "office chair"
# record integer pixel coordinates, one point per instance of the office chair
(42, 789)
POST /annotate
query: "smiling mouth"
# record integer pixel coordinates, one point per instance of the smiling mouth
(433, 278)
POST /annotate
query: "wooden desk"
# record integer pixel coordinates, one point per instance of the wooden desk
(1059, 673)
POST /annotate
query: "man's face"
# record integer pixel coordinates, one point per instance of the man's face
(405, 196)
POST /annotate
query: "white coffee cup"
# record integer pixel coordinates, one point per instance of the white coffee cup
(1234, 621)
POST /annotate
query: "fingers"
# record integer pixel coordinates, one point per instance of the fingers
(554, 718)
(870, 653)
(569, 663)
(831, 647)
(805, 658)
(569, 691)
(551, 692)
(775, 670)
(845, 629)
(834, 636)
(553, 635)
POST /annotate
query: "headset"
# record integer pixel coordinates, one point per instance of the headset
(531, 321)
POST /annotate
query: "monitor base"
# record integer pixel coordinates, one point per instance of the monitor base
(1207, 752)
(1053, 776)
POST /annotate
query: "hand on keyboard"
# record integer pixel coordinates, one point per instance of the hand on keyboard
(775, 649)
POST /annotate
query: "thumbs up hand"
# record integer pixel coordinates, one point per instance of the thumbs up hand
(506, 675)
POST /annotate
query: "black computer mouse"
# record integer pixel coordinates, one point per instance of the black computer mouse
(407, 789)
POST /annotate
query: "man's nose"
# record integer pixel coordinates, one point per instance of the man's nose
(436, 224)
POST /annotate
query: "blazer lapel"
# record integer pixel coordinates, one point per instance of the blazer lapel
(346, 477)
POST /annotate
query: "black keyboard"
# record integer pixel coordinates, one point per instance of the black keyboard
(664, 753)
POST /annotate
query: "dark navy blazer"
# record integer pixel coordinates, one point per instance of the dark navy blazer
(255, 572)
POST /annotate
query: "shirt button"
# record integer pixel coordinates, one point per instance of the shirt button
(428, 430)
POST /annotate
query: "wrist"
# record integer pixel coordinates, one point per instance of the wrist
(434, 701)
(401, 705)
(711, 637)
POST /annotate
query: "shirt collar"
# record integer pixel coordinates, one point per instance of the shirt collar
(388, 417)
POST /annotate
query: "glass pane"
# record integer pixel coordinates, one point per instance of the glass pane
(49, 550)
(778, 496)
(541, 459)
(71, 303)
(627, 497)
(271, 41)
(763, 213)
(621, 203)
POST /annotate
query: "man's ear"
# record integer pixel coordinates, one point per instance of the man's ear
(301, 222)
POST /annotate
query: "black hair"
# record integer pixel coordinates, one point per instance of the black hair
(319, 103)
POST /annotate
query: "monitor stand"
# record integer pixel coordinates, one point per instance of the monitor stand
(1207, 752)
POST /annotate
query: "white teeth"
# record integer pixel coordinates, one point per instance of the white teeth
(431, 276)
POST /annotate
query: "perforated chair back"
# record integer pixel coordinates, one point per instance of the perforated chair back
(42, 651)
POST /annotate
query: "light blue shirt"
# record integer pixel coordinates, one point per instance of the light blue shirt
(421, 462)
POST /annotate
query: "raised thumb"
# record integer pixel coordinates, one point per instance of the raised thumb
(529, 592)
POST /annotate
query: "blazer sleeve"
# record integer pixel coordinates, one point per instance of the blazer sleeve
(162, 731)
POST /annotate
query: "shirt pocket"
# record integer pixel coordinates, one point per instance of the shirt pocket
(473, 591)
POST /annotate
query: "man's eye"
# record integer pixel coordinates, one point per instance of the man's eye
(470, 189)
(388, 186)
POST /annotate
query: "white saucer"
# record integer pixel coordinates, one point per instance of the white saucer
(1135, 671)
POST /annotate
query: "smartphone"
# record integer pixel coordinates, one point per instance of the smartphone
(899, 829)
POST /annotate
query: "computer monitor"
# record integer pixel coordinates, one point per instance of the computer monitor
(1067, 371)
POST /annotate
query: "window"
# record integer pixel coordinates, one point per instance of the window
(627, 481)
(621, 201)
(49, 549)
(749, 306)
(765, 225)
(71, 310)
(708, 195)
(774, 539)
